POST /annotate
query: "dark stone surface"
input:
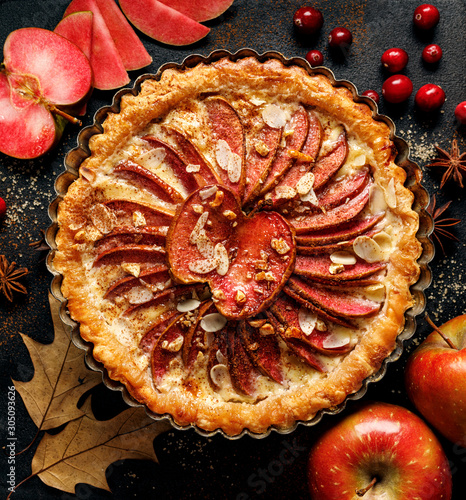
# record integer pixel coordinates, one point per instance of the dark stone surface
(191, 466)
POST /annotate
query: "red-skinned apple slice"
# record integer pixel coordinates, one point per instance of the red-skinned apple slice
(42, 74)
(162, 23)
(132, 52)
(201, 10)
(210, 242)
(194, 337)
(125, 211)
(131, 253)
(128, 235)
(328, 165)
(107, 65)
(150, 338)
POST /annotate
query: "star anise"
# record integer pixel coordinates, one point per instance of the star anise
(441, 224)
(9, 277)
(453, 161)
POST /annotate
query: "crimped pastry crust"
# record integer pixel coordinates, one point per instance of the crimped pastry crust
(281, 406)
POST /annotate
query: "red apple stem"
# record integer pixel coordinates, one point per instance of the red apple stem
(437, 329)
(363, 491)
(68, 117)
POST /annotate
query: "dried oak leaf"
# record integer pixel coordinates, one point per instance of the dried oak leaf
(60, 377)
(86, 447)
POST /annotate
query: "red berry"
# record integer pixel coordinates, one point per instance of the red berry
(426, 16)
(2, 207)
(340, 38)
(397, 88)
(308, 20)
(373, 95)
(315, 58)
(395, 60)
(460, 113)
(432, 53)
(429, 97)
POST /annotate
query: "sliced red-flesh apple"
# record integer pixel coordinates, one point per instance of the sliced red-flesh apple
(150, 338)
(130, 235)
(306, 353)
(24, 133)
(139, 214)
(201, 10)
(217, 364)
(131, 253)
(318, 267)
(334, 217)
(259, 160)
(210, 242)
(328, 165)
(162, 23)
(175, 162)
(228, 143)
(77, 28)
(156, 277)
(298, 127)
(132, 52)
(144, 178)
(167, 348)
(242, 371)
(193, 157)
(343, 190)
(195, 335)
(336, 302)
(328, 343)
(61, 68)
(107, 65)
(302, 165)
(263, 350)
(342, 232)
(331, 248)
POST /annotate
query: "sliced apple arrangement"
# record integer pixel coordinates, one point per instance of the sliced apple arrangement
(43, 78)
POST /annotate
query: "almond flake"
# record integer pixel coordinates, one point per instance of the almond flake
(307, 320)
(384, 240)
(367, 249)
(274, 116)
(261, 148)
(220, 376)
(286, 192)
(188, 305)
(220, 357)
(131, 268)
(222, 154)
(377, 201)
(207, 192)
(335, 340)
(359, 160)
(152, 158)
(138, 295)
(390, 194)
(190, 168)
(343, 257)
(218, 295)
(305, 184)
(234, 168)
(139, 219)
(213, 322)
(336, 268)
(203, 266)
(205, 246)
(78, 223)
(175, 345)
(102, 218)
(199, 226)
(221, 257)
(280, 246)
(87, 174)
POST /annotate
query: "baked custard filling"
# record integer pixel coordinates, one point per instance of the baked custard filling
(239, 246)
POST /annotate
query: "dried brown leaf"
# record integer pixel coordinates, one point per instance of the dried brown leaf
(60, 377)
(86, 447)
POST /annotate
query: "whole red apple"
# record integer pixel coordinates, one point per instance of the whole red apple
(436, 379)
(379, 451)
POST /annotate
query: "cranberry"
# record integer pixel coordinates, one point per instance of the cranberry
(340, 38)
(308, 20)
(397, 88)
(373, 95)
(315, 58)
(432, 53)
(2, 207)
(429, 97)
(395, 60)
(460, 113)
(426, 16)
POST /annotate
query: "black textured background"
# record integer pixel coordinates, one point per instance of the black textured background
(191, 466)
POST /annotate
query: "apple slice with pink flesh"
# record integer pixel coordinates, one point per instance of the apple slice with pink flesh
(210, 242)
(201, 10)
(44, 76)
(129, 46)
(162, 23)
(107, 65)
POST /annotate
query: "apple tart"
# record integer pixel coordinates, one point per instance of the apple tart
(239, 246)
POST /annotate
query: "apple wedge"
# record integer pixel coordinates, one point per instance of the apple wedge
(43, 76)
(107, 65)
(201, 10)
(162, 23)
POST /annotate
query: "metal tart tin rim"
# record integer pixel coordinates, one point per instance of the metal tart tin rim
(77, 155)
